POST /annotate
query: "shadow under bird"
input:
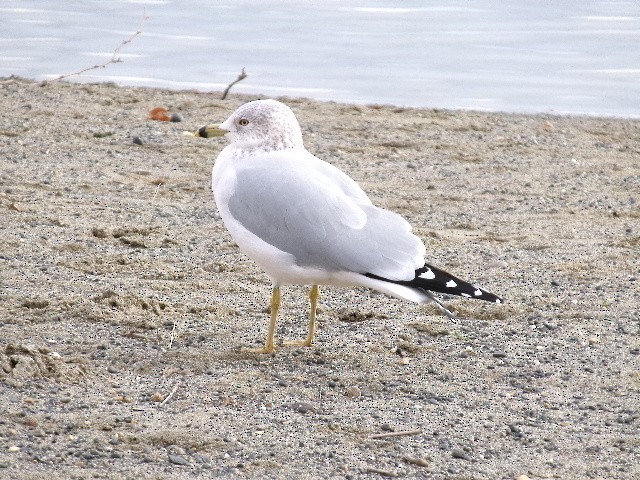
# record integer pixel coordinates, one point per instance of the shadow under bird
(305, 222)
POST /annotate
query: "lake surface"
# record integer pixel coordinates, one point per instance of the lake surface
(539, 56)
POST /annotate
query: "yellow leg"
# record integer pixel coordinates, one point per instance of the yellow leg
(269, 346)
(314, 296)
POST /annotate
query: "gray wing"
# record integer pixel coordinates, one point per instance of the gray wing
(316, 213)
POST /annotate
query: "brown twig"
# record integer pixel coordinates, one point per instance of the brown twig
(114, 58)
(241, 77)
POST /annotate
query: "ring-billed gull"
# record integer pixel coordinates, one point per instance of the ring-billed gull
(304, 222)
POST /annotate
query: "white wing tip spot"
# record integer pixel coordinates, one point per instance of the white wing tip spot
(498, 300)
(428, 274)
(451, 284)
(466, 295)
(478, 293)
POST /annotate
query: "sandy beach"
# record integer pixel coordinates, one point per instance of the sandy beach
(126, 309)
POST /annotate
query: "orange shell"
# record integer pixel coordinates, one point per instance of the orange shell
(159, 113)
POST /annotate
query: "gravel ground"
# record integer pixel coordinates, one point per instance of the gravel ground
(126, 309)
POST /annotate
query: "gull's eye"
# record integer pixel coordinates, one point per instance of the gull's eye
(243, 122)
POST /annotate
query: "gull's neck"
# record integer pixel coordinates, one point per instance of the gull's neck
(274, 144)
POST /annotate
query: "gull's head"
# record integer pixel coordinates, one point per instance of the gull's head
(262, 124)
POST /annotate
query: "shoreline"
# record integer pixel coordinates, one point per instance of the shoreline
(258, 95)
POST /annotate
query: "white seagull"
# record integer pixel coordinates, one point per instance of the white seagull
(305, 222)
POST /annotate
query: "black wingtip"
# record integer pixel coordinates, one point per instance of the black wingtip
(434, 279)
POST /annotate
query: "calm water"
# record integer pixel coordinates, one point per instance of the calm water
(539, 56)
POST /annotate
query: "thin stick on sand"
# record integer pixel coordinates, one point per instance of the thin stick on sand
(404, 433)
(166, 399)
(173, 331)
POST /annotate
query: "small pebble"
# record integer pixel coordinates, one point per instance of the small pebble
(198, 457)
(499, 354)
(522, 477)
(137, 140)
(175, 450)
(302, 407)
(175, 117)
(13, 448)
(157, 397)
(420, 462)
(352, 392)
(178, 460)
(30, 421)
(459, 453)
(496, 264)
(112, 369)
